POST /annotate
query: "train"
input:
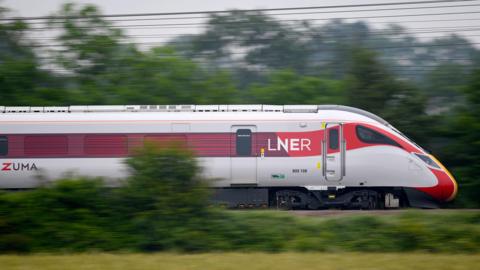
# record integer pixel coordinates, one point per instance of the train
(288, 156)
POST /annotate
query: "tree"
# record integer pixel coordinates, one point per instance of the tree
(22, 80)
(106, 69)
(268, 42)
(463, 153)
(287, 87)
(406, 110)
(443, 86)
(371, 87)
(90, 43)
(166, 199)
(248, 41)
(160, 76)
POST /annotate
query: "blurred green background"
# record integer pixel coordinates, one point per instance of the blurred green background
(428, 89)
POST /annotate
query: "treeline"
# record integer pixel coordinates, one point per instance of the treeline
(337, 63)
(163, 206)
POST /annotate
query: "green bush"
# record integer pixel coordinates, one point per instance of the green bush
(160, 204)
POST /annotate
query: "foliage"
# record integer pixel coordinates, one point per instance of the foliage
(287, 87)
(370, 86)
(21, 78)
(163, 205)
(92, 44)
(267, 41)
(464, 150)
(139, 219)
(165, 198)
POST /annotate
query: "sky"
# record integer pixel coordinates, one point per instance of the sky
(423, 20)
(45, 7)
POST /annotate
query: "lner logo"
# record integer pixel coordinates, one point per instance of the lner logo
(292, 144)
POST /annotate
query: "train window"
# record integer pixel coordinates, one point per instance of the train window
(46, 145)
(427, 160)
(105, 145)
(333, 138)
(3, 146)
(244, 142)
(368, 135)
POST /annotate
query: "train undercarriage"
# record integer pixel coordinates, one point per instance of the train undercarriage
(301, 198)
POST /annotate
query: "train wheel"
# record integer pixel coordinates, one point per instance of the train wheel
(291, 199)
(372, 203)
(366, 200)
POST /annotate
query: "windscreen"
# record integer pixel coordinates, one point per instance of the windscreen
(428, 160)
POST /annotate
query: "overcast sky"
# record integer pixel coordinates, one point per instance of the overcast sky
(45, 7)
(461, 21)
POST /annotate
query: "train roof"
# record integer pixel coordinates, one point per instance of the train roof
(192, 108)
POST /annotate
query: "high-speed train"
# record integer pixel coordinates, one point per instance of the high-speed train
(293, 156)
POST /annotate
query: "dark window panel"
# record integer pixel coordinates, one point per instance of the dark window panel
(333, 138)
(371, 136)
(3, 146)
(244, 142)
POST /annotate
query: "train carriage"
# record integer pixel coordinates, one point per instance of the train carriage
(294, 156)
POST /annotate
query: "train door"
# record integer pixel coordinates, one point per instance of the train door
(334, 152)
(243, 158)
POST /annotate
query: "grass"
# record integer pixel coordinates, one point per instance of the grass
(242, 261)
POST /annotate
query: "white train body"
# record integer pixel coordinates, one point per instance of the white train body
(285, 149)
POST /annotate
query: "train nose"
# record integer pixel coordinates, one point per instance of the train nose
(446, 181)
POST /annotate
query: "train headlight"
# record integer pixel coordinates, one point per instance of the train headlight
(429, 161)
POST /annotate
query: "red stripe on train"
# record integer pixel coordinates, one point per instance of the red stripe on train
(274, 144)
